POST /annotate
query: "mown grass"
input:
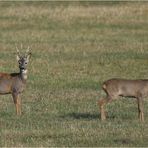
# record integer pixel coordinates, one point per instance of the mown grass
(76, 46)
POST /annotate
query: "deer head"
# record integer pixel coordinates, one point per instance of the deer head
(23, 59)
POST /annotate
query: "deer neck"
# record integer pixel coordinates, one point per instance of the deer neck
(23, 74)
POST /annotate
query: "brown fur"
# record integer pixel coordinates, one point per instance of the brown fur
(14, 83)
(127, 88)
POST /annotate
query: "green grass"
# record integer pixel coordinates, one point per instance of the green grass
(75, 47)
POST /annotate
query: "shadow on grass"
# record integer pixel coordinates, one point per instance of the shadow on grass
(124, 141)
(95, 116)
(81, 116)
(123, 117)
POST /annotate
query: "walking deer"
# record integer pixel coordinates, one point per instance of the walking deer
(126, 88)
(14, 83)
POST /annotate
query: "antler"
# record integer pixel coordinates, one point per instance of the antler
(28, 51)
(18, 52)
(21, 46)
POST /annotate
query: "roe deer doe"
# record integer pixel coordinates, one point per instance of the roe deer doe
(14, 83)
(126, 88)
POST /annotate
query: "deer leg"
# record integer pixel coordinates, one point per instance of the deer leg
(140, 109)
(17, 103)
(102, 110)
(101, 104)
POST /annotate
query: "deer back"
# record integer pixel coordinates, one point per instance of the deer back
(124, 87)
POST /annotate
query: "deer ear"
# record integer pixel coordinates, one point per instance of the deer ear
(28, 56)
(17, 57)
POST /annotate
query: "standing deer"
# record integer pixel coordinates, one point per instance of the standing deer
(126, 88)
(14, 83)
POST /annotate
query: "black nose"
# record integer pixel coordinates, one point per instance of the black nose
(21, 67)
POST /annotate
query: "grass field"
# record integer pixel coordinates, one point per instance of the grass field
(75, 47)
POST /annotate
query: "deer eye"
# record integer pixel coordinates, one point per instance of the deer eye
(25, 63)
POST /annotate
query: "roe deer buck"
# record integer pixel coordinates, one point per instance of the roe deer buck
(126, 88)
(14, 83)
